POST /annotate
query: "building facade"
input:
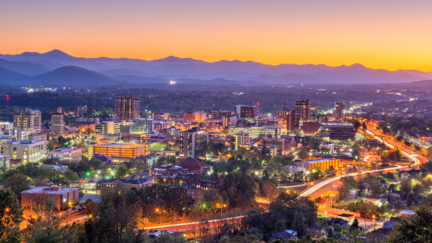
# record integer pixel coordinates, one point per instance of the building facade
(321, 164)
(120, 150)
(26, 150)
(62, 195)
(197, 116)
(57, 123)
(80, 110)
(66, 154)
(302, 107)
(5, 161)
(293, 121)
(27, 119)
(245, 111)
(127, 108)
(339, 112)
(192, 141)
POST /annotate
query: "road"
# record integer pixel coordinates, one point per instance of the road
(322, 186)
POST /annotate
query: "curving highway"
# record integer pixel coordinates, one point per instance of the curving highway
(329, 181)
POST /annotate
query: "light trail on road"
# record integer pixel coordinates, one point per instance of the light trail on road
(316, 187)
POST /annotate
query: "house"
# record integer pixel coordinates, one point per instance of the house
(406, 174)
(286, 235)
(316, 231)
(377, 200)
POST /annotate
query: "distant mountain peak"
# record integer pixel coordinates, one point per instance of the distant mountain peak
(57, 53)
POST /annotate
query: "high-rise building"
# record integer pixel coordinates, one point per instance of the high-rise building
(106, 127)
(228, 121)
(192, 142)
(197, 116)
(245, 111)
(80, 110)
(240, 138)
(57, 123)
(27, 119)
(293, 121)
(127, 108)
(302, 107)
(339, 112)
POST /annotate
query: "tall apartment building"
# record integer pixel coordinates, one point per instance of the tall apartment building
(302, 107)
(192, 141)
(339, 112)
(245, 111)
(57, 123)
(80, 110)
(228, 121)
(127, 108)
(27, 119)
(293, 121)
(26, 150)
(197, 116)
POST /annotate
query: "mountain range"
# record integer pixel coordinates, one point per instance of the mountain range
(58, 68)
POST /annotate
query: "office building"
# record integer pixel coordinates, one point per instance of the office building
(192, 142)
(245, 111)
(6, 138)
(137, 127)
(339, 112)
(220, 114)
(321, 164)
(229, 121)
(80, 110)
(127, 108)
(241, 138)
(302, 107)
(25, 150)
(66, 154)
(337, 131)
(293, 121)
(256, 131)
(120, 150)
(57, 123)
(62, 195)
(5, 161)
(106, 127)
(29, 120)
(310, 127)
(197, 116)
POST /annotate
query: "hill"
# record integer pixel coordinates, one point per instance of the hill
(26, 68)
(71, 75)
(10, 77)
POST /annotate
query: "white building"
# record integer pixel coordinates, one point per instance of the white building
(66, 154)
(295, 169)
(26, 150)
(61, 168)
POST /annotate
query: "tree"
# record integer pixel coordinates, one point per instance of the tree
(240, 189)
(298, 224)
(91, 208)
(356, 124)
(398, 204)
(17, 183)
(49, 228)
(418, 189)
(410, 199)
(280, 225)
(416, 228)
(405, 186)
(211, 200)
(10, 217)
(303, 153)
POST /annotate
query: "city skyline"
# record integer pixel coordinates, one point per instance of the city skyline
(385, 35)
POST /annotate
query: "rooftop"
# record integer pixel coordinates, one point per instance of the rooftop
(50, 190)
(25, 142)
(315, 161)
(120, 145)
(338, 124)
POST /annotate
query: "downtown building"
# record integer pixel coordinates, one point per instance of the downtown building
(257, 131)
(57, 123)
(245, 111)
(293, 121)
(25, 150)
(302, 107)
(339, 111)
(26, 122)
(127, 108)
(192, 142)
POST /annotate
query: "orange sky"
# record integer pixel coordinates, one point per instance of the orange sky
(389, 34)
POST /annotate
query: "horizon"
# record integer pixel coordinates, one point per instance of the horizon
(390, 35)
(343, 65)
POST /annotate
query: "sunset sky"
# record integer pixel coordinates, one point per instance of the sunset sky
(389, 34)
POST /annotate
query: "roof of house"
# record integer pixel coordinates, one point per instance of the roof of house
(138, 181)
(190, 162)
